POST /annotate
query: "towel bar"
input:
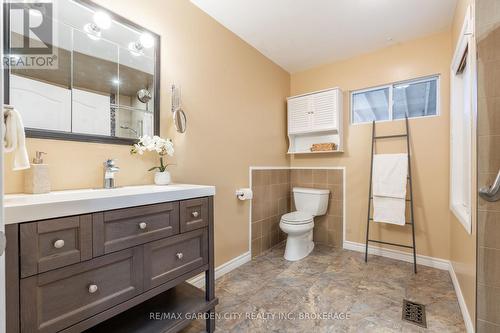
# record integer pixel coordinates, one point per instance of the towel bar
(410, 200)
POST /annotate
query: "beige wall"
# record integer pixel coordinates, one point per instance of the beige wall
(229, 89)
(463, 245)
(430, 139)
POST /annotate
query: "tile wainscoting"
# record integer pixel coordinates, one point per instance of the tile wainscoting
(272, 188)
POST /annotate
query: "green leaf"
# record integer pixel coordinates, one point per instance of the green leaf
(153, 168)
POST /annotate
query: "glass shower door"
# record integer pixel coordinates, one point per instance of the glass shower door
(488, 166)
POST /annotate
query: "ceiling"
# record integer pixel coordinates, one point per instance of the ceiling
(301, 34)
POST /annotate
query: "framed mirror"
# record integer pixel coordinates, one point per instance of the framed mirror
(94, 75)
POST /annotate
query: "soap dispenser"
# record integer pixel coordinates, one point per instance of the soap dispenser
(37, 178)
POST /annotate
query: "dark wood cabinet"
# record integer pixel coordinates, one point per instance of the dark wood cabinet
(81, 271)
(54, 300)
(55, 243)
(193, 214)
(171, 257)
(122, 228)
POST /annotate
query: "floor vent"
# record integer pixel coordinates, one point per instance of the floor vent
(414, 313)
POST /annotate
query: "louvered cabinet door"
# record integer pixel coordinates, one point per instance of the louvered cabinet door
(299, 115)
(325, 110)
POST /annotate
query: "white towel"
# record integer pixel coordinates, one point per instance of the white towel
(14, 140)
(390, 173)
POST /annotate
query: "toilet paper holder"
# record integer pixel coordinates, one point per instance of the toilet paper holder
(244, 194)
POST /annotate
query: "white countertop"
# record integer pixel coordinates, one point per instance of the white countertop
(32, 207)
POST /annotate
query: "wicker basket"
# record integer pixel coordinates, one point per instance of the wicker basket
(330, 146)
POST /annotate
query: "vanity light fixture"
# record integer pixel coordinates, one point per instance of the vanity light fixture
(93, 31)
(136, 48)
(102, 20)
(146, 40)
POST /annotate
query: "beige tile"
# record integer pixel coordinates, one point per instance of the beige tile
(256, 230)
(305, 176)
(489, 154)
(257, 211)
(336, 207)
(335, 191)
(294, 176)
(285, 176)
(266, 242)
(283, 205)
(489, 117)
(319, 176)
(256, 247)
(335, 279)
(488, 229)
(486, 179)
(488, 269)
(334, 176)
(266, 226)
(334, 222)
(275, 176)
(275, 238)
(488, 303)
(486, 327)
(258, 177)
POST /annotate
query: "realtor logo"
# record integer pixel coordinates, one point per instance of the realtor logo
(31, 37)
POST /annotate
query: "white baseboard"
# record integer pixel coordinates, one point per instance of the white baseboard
(469, 325)
(399, 255)
(421, 260)
(199, 280)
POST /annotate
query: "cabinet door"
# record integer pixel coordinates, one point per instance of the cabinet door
(325, 110)
(193, 214)
(119, 229)
(299, 116)
(168, 258)
(56, 243)
(54, 300)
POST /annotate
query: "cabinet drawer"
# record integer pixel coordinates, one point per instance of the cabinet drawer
(54, 300)
(124, 228)
(193, 214)
(169, 258)
(52, 244)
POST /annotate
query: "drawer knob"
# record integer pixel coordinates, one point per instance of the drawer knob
(92, 288)
(195, 214)
(59, 243)
(179, 255)
(143, 225)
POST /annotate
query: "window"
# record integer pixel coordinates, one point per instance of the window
(415, 98)
(461, 114)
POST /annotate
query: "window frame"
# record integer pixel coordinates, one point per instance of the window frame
(390, 86)
(465, 43)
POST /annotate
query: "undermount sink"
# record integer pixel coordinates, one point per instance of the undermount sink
(31, 207)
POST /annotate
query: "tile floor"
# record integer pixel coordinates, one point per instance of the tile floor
(332, 282)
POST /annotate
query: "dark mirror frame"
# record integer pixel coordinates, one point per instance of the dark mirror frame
(58, 135)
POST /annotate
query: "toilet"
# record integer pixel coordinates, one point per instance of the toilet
(299, 225)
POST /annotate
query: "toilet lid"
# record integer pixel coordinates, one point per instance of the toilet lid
(297, 218)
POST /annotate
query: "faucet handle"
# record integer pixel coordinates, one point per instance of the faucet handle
(110, 162)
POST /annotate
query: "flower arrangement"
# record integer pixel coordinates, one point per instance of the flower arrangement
(161, 146)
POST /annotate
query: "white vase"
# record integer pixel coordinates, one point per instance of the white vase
(162, 178)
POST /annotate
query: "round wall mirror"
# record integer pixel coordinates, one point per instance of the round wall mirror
(180, 120)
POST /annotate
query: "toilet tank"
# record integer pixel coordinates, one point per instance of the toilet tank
(311, 200)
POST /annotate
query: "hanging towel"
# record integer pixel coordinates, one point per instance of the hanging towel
(390, 172)
(14, 140)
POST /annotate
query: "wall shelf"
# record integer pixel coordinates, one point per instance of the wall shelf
(315, 118)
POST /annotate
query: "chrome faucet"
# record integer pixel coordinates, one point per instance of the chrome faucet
(109, 173)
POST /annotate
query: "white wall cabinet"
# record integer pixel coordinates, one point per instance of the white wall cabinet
(315, 118)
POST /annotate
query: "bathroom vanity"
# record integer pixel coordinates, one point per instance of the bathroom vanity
(112, 260)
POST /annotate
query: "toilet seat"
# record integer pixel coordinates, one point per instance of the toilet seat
(297, 218)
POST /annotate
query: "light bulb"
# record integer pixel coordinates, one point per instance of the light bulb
(147, 40)
(102, 20)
